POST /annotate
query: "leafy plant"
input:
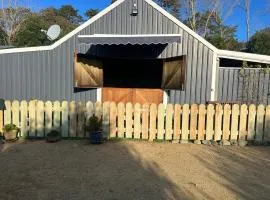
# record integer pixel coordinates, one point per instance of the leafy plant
(54, 133)
(94, 124)
(11, 127)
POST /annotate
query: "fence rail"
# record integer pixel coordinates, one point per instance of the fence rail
(149, 122)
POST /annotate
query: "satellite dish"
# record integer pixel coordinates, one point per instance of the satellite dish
(53, 32)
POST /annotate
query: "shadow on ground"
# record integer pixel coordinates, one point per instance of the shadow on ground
(244, 172)
(75, 170)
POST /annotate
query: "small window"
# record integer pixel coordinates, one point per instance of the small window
(88, 72)
(174, 70)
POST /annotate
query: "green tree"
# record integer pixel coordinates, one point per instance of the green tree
(210, 26)
(30, 32)
(172, 6)
(71, 14)
(260, 42)
(2, 37)
(91, 13)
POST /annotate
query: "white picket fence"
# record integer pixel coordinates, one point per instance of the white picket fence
(149, 122)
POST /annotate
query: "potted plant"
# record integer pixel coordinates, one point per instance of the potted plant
(53, 136)
(11, 132)
(94, 130)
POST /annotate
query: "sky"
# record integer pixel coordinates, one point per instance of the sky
(259, 17)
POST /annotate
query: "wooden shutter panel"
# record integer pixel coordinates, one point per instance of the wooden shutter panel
(88, 72)
(174, 73)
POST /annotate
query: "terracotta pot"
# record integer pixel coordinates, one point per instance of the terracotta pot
(11, 135)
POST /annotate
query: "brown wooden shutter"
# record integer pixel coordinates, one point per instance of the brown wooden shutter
(88, 72)
(174, 73)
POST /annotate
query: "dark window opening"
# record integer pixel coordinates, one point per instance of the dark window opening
(132, 73)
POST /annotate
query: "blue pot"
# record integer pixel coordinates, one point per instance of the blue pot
(96, 137)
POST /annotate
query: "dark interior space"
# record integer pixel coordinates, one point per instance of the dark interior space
(133, 73)
(239, 63)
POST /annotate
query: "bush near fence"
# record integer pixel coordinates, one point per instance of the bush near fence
(148, 122)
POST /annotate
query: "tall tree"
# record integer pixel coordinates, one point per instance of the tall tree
(91, 13)
(11, 19)
(71, 14)
(172, 6)
(260, 42)
(245, 5)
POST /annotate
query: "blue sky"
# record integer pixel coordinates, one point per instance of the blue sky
(259, 19)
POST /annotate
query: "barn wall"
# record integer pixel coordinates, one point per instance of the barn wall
(55, 68)
(247, 86)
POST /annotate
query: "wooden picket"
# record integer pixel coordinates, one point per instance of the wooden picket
(234, 120)
(40, 119)
(145, 121)
(137, 121)
(129, 120)
(177, 123)
(153, 122)
(226, 122)
(171, 123)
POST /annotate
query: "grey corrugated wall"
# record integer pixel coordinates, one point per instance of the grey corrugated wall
(247, 86)
(48, 75)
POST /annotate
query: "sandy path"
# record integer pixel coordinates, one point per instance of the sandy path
(132, 170)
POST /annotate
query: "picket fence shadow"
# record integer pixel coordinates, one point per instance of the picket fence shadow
(146, 122)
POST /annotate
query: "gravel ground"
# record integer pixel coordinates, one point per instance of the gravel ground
(132, 170)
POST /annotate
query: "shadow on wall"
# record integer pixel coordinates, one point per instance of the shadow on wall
(73, 170)
(244, 172)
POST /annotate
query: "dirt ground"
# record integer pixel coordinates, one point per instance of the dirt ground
(132, 171)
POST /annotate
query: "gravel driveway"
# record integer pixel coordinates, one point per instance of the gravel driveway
(75, 170)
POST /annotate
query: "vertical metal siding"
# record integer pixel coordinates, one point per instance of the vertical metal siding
(231, 86)
(48, 75)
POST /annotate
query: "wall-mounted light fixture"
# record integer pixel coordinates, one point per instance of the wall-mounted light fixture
(134, 10)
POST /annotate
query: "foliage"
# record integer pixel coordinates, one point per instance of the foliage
(91, 13)
(30, 32)
(249, 76)
(3, 37)
(210, 26)
(54, 133)
(70, 14)
(94, 124)
(260, 42)
(172, 6)
(10, 127)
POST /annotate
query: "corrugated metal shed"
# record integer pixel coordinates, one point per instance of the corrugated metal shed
(48, 74)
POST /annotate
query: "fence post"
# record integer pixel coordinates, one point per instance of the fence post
(48, 117)
(106, 119)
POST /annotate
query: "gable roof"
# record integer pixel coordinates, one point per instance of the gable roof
(218, 52)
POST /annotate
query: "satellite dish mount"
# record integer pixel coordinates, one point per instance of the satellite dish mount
(53, 32)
